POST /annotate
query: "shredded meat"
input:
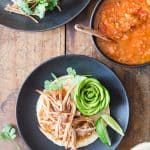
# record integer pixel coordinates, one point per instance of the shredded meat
(58, 116)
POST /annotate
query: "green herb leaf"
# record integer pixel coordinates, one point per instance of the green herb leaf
(24, 6)
(52, 4)
(8, 132)
(56, 86)
(40, 10)
(71, 71)
(52, 86)
(47, 84)
(4, 136)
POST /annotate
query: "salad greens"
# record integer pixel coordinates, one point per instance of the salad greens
(49, 85)
(9, 133)
(33, 7)
(71, 71)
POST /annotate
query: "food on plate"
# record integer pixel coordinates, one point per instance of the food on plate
(32, 8)
(70, 107)
(128, 24)
(91, 97)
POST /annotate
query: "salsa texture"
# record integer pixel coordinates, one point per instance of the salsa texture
(128, 24)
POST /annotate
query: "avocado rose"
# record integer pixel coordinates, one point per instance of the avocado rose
(91, 97)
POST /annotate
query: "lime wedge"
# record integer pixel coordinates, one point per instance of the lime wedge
(112, 123)
(101, 130)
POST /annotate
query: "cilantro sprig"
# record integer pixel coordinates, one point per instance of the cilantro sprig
(71, 71)
(50, 85)
(9, 133)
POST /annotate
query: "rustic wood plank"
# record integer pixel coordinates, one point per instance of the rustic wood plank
(20, 52)
(135, 80)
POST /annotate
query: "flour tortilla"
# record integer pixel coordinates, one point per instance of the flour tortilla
(68, 82)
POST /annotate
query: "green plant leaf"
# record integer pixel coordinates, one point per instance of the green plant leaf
(4, 136)
(40, 10)
(24, 6)
(71, 71)
(7, 128)
(47, 84)
(52, 4)
(52, 86)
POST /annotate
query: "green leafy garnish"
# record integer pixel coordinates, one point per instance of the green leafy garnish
(40, 10)
(71, 71)
(52, 4)
(24, 6)
(9, 133)
(48, 85)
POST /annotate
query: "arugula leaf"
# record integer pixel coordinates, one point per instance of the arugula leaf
(71, 71)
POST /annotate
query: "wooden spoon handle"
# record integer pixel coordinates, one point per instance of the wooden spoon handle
(93, 32)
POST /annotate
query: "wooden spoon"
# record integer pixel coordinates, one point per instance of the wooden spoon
(87, 30)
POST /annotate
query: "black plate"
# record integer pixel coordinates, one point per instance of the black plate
(98, 48)
(70, 9)
(27, 99)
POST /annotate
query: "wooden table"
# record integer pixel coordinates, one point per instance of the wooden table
(21, 52)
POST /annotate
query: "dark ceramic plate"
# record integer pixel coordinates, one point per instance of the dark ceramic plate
(27, 99)
(92, 20)
(70, 9)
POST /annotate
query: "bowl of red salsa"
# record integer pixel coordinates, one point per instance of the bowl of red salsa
(127, 23)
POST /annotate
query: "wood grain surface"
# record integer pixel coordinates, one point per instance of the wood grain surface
(20, 52)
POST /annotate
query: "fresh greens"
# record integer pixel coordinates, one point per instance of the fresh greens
(36, 7)
(52, 4)
(40, 10)
(24, 6)
(9, 133)
(49, 85)
(71, 71)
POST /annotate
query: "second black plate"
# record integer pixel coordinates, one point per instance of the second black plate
(70, 9)
(27, 99)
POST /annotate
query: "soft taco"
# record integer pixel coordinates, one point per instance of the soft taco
(67, 118)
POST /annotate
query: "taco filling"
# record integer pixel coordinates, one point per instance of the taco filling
(69, 108)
